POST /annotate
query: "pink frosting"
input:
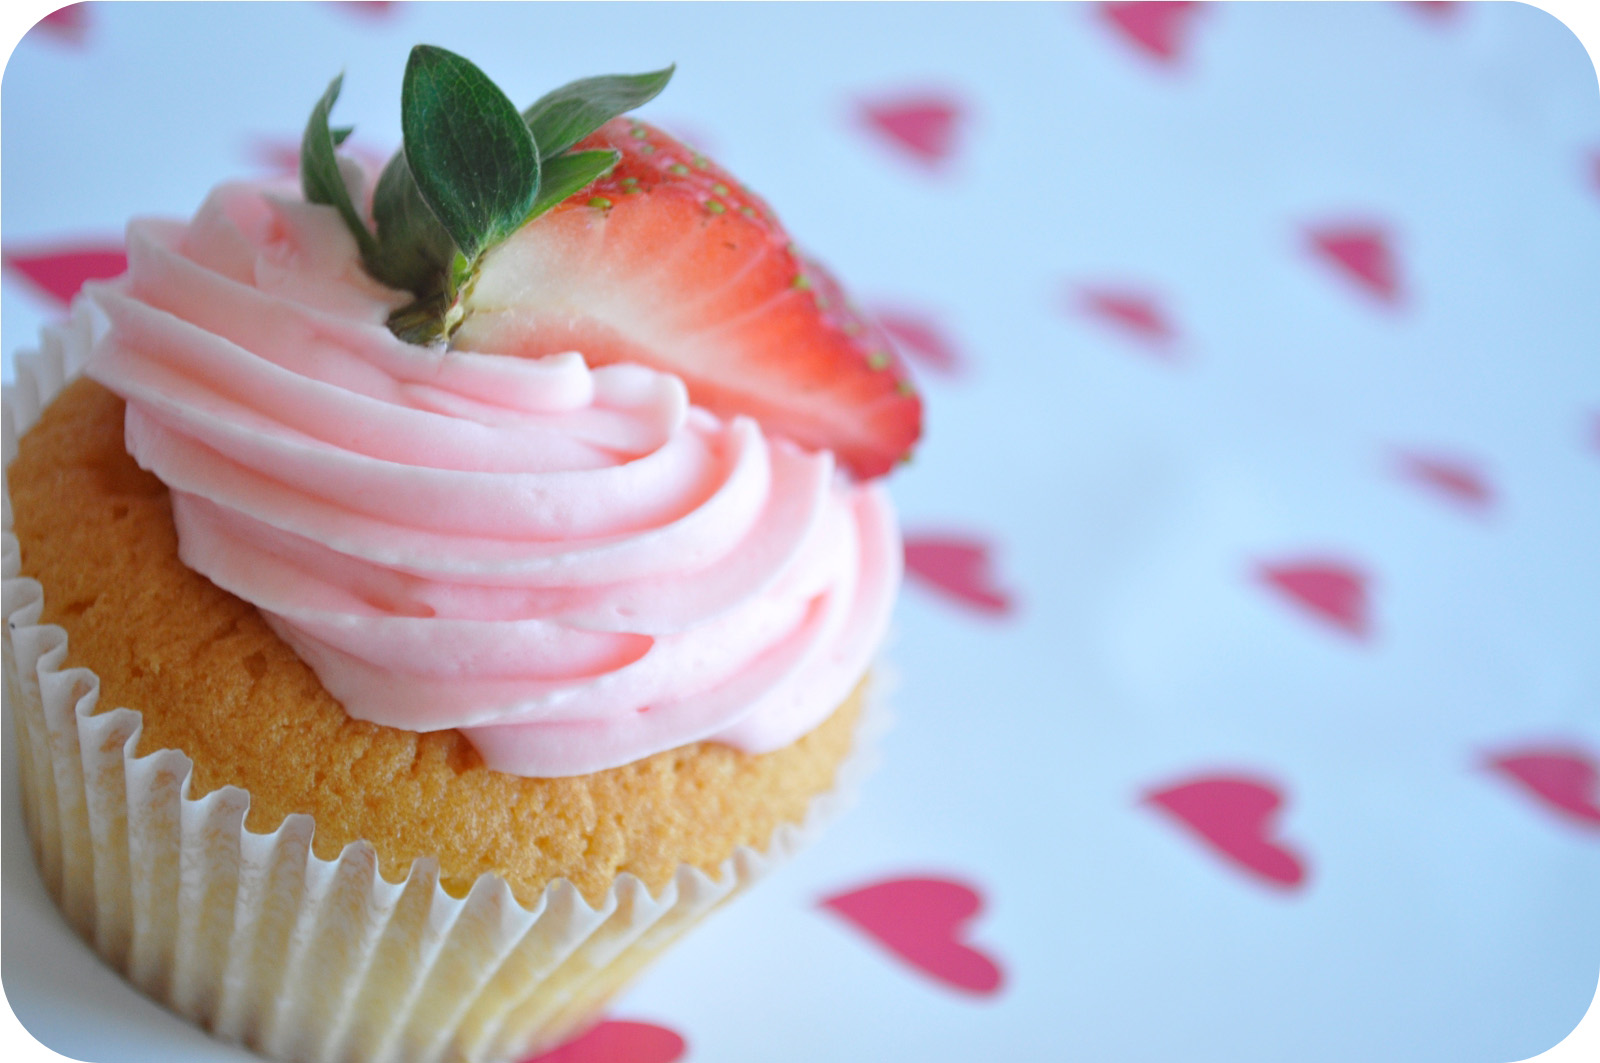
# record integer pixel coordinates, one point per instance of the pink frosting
(573, 566)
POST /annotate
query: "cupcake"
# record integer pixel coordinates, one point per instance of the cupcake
(426, 597)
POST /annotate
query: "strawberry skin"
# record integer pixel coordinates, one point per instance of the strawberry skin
(668, 262)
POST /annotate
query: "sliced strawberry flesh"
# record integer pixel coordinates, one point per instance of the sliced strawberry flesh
(667, 261)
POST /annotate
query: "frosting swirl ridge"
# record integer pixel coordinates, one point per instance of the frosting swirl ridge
(573, 566)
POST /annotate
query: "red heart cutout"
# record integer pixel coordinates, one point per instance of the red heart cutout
(60, 272)
(69, 24)
(278, 156)
(923, 127)
(1451, 478)
(1362, 253)
(921, 920)
(373, 9)
(1135, 314)
(1330, 590)
(281, 156)
(959, 568)
(1158, 28)
(919, 338)
(1233, 815)
(687, 133)
(1560, 779)
(1439, 11)
(618, 1042)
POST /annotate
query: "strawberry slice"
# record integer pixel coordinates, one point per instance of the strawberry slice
(668, 261)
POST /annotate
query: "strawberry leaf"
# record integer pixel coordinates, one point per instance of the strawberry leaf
(474, 160)
(569, 173)
(320, 178)
(413, 252)
(471, 172)
(561, 118)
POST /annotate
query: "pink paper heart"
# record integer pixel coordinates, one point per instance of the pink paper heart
(60, 272)
(278, 156)
(922, 127)
(1452, 478)
(282, 156)
(376, 10)
(1563, 780)
(920, 338)
(1362, 253)
(1437, 11)
(619, 1042)
(1332, 591)
(1234, 816)
(958, 567)
(688, 134)
(68, 24)
(1157, 28)
(1137, 315)
(923, 921)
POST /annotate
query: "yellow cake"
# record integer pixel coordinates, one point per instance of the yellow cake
(212, 680)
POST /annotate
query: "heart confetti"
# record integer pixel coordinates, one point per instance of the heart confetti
(1137, 315)
(69, 24)
(921, 340)
(922, 921)
(922, 127)
(1563, 780)
(1158, 29)
(688, 133)
(60, 272)
(377, 10)
(619, 1042)
(1361, 253)
(1233, 815)
(1332, 591)
(276, 156)
(281, 156)
(1436, 11)
(1451, 478)
(958, 567)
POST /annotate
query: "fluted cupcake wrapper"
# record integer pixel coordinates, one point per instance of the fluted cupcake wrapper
(255, 937)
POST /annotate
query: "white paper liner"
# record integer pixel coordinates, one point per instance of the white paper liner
(256, 938)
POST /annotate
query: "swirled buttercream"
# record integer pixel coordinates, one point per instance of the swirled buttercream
(573, 566)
